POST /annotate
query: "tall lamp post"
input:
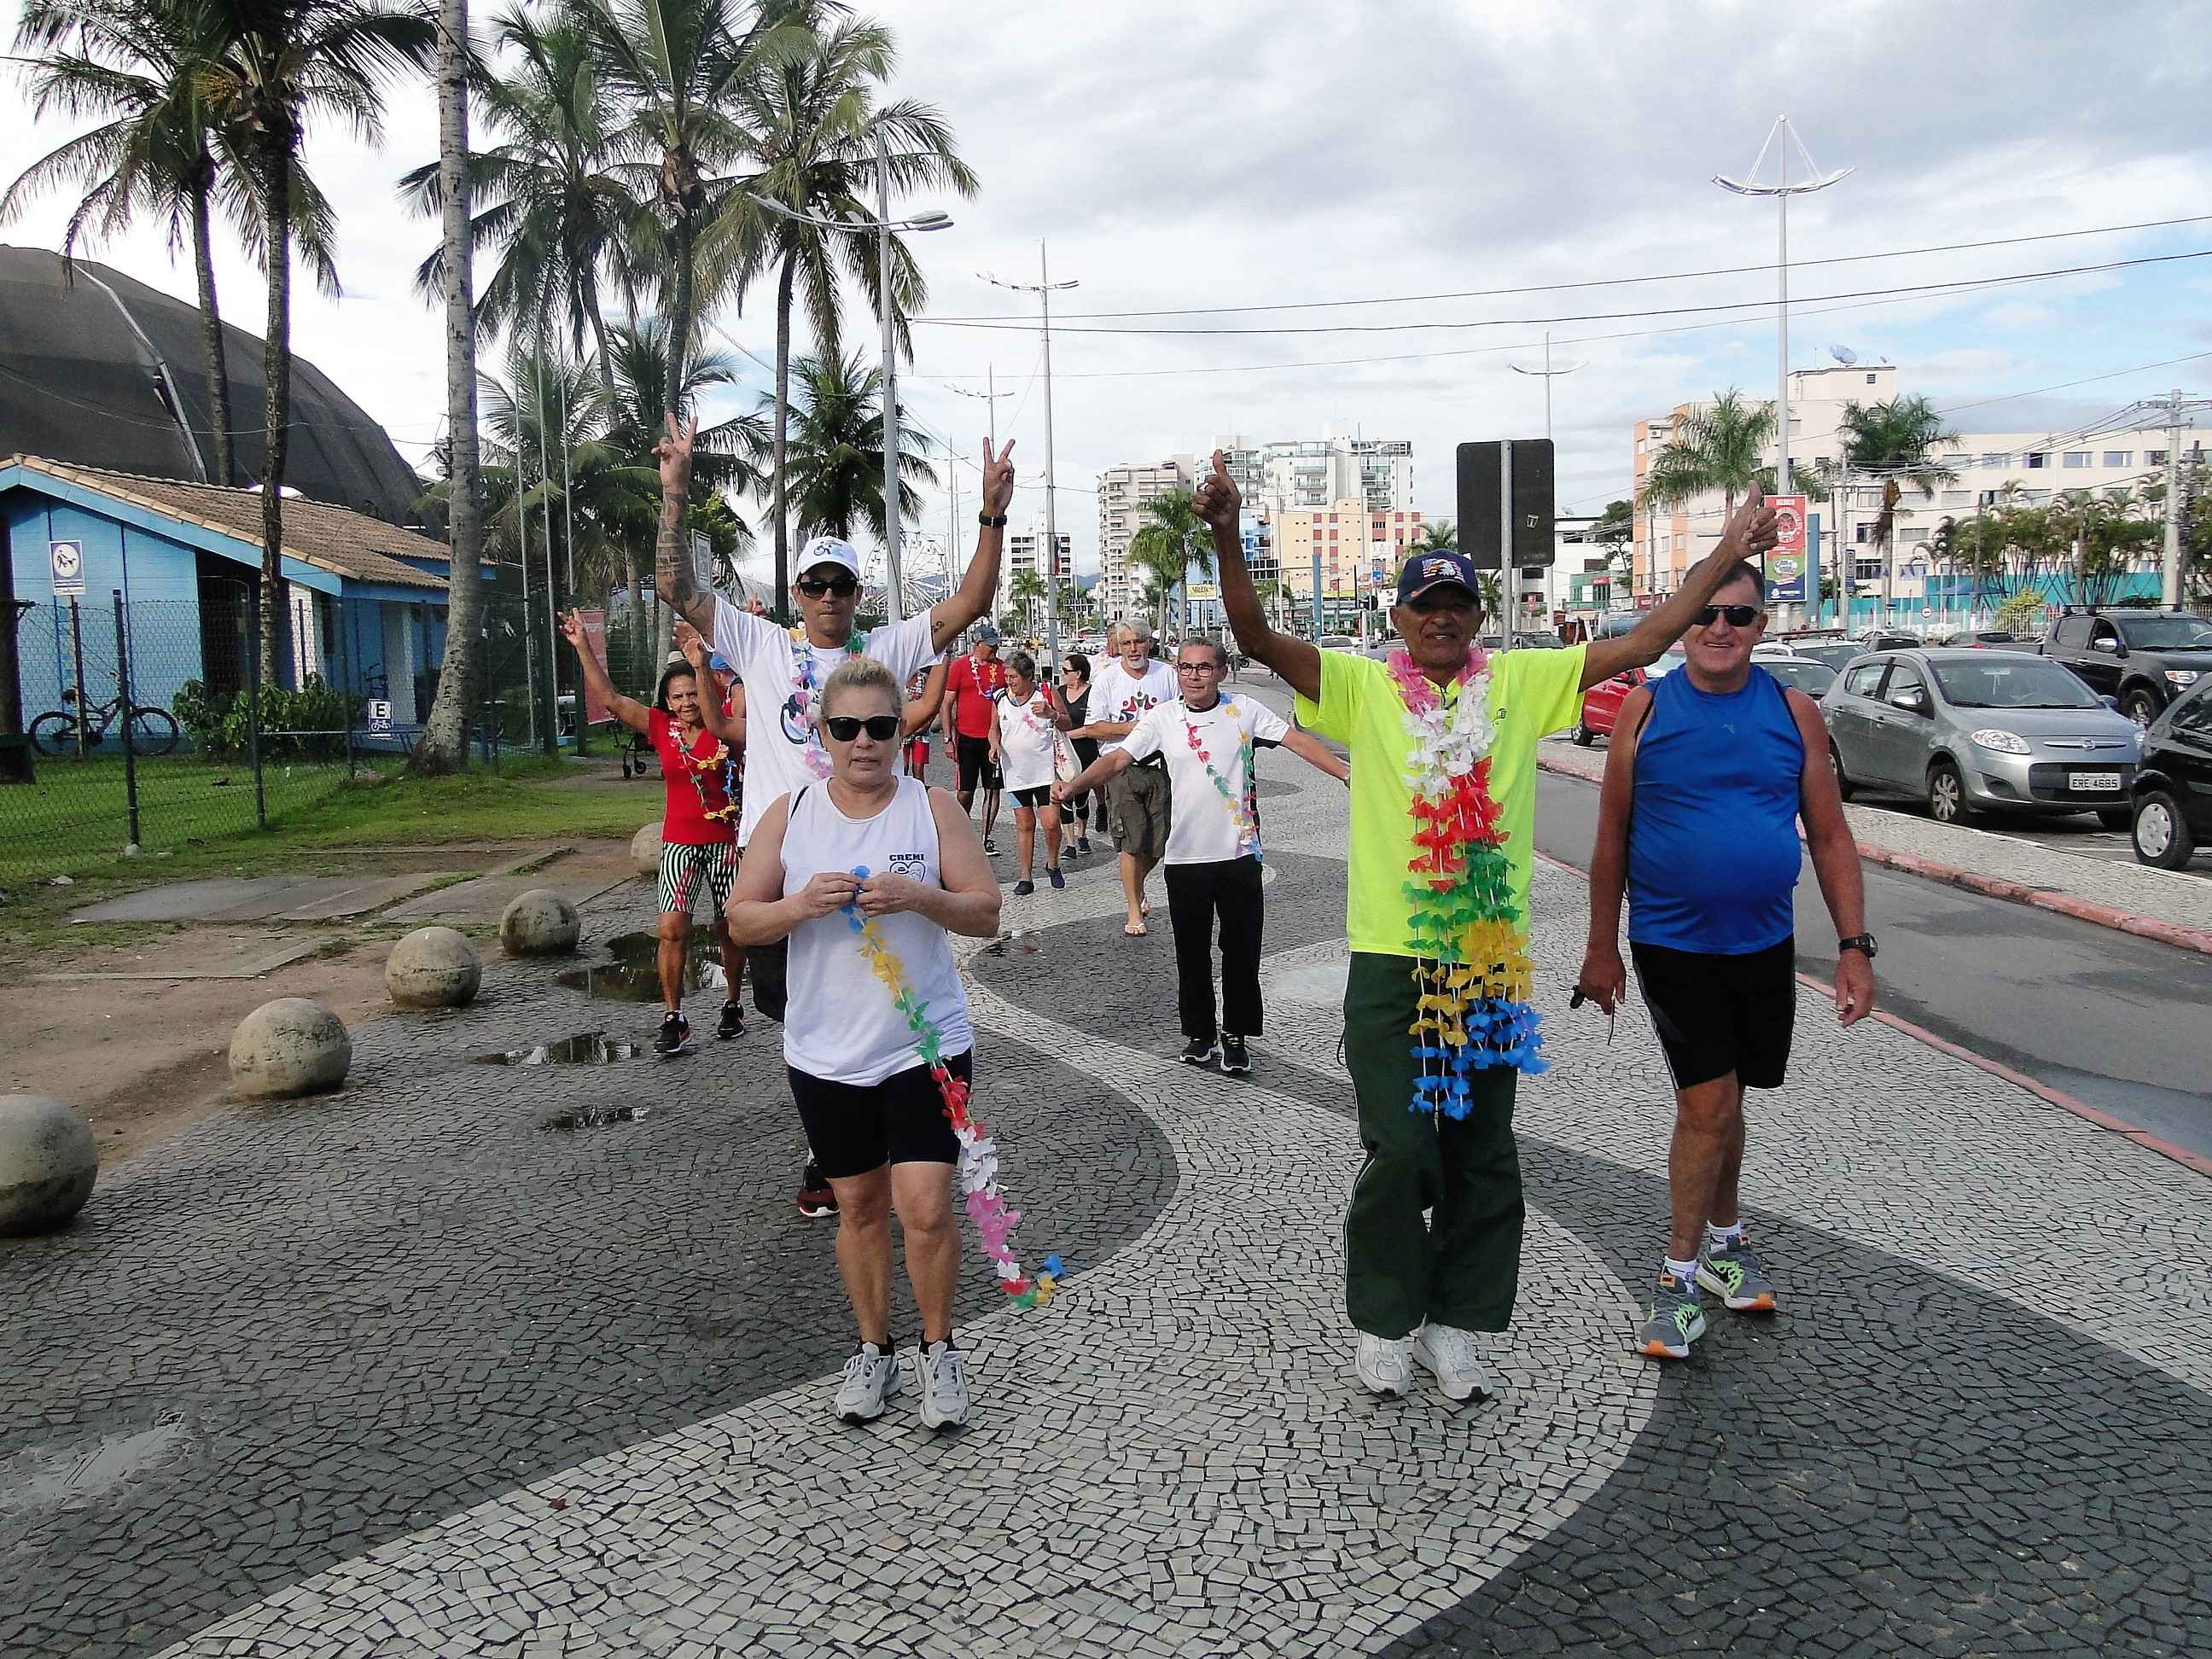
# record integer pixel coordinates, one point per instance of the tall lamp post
(989, 398)
(883, 225)
(1779, 139)
(1547, 374)
(1044, 288)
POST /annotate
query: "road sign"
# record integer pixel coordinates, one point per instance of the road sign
(67, 560)
(379, 715)
(1479, 530)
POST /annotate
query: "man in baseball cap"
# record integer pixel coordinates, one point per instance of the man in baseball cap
(818, 556)
(1423, 573)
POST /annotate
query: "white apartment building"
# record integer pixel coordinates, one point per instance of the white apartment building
(1025, 551)
(1123, 493)
(1339, 466)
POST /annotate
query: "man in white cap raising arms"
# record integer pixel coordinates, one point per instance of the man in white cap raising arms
(783, 670)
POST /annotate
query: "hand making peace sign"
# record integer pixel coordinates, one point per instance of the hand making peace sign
(997, 478)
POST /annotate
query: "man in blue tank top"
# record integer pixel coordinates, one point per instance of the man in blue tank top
(1707, 773)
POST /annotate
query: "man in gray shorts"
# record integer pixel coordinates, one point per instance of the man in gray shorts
(1127, 683)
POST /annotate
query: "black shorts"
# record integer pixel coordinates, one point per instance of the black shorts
(974, 758)
(853, 1129)
(1033, 799)
(1717, 1014)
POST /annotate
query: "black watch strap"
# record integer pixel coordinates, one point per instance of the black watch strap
(990, 523)
(1862, 942)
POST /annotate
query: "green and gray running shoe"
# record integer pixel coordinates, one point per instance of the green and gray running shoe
(1738, 1277)
(1673, 1322)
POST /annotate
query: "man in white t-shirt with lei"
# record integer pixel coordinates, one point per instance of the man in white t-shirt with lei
(784, 670)
(1129, 682)
(1206, 741)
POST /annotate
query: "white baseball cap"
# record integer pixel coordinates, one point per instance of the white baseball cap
(827, 549)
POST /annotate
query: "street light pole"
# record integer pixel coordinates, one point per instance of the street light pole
(1548, 374)
(2170, 564)
(1044, 288)
(895, 600)
(1782, 190)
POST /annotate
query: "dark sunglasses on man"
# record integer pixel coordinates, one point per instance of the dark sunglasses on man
(846, 727)
(1739, 616)
(842, 587)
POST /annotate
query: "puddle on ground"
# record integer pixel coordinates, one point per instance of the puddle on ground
(593, 1117)
(585, 1048)
(49, 1475)
(634, 975)
(1015, 944)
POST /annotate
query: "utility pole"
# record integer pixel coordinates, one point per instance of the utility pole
(1044, 288)
(2170, 586)
(1548, 374)
(895, 598)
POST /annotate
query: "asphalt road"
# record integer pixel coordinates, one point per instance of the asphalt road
(2077, 833)
(2114, 1020)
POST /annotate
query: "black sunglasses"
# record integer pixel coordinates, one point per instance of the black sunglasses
(843, 587)
(1739, 616)
(846, 727)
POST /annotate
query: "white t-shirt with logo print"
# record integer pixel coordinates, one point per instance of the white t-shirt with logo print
(1118, 696)
(1205, 829)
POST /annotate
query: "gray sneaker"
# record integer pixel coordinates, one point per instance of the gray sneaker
(872, 1377)
(1738, 1277)
(944, 1386)
(1672, 1322)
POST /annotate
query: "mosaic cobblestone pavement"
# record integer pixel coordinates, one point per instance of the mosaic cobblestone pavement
(436, 1380)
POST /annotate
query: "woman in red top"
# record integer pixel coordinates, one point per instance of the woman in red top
(698, 826)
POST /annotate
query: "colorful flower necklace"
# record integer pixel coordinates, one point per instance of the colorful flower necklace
(733, 790)
(979, 1154)
(1470, 955)
(1244, 809)
(800, 709)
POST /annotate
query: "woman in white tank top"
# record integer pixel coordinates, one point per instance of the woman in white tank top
(869, 848)
(1026, 723)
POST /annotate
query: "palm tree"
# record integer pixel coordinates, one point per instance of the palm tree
(1173, 540)
(806, 119)
(1437, 535)
(1027, 591)
(444, 746)
(288, 64)
(1717, 446)
(1893, 439)
(835, 456)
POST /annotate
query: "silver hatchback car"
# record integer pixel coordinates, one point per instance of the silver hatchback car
(1969, 731)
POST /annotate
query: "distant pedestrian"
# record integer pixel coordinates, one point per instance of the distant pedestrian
(1025, 739)
(1139, 797)
(971, 689)
(1075, 692)
(1710, 770)
(925, 694)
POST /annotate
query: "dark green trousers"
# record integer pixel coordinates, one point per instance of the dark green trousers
(1462, 1266)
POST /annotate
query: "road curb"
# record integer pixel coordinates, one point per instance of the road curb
(2041, 899)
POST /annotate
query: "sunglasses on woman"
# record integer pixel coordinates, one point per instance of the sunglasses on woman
(1739, 616)
(846, 727)
(842, 587)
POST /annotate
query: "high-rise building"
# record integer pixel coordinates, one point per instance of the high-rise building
(1123, 493)
(1361, 547)
(1338, 467)
(1025, 552)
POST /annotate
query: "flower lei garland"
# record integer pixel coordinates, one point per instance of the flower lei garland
(805, 697)
(732, 790)
(1470, 958)
(1243, 810)
(979, 1154)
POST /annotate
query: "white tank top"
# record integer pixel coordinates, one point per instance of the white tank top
(840, 1024)
(1025, 741)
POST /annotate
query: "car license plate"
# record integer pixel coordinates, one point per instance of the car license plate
(2091, 782)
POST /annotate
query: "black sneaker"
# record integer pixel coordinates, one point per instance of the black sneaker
(1234, 1060)
(1082, 847)
(1198, 1051)
(674, 1036)
(732, 1023)
(990, 847)
(816, 1198)
(1024, 889)
(1051, 874)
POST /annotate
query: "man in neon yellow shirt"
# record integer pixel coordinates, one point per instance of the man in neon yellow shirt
(1437, 1022)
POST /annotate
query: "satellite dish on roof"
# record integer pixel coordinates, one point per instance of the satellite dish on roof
(1844, 355)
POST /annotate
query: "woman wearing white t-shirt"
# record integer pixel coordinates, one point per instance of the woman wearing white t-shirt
(883, 849)
(1213, 846)
(1026, 721)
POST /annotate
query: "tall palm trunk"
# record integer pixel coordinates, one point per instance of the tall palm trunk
(218, 376)
(277, 374)
(780, 440)
(445, 736)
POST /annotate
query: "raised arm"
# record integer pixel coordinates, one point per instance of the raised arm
(1316, 753)
(629, 710)
(730, 729)
(1749, 534)
(916, 716)
(948, 616)
(1604, 976)
(1835, 859)
(1219, 503)
(672, 557)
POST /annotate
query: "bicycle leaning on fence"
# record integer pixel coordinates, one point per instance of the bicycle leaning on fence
(152, 731)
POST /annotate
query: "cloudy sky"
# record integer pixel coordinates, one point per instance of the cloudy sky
(1251, 154)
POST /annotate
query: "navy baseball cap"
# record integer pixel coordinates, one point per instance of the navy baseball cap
(1440, 569)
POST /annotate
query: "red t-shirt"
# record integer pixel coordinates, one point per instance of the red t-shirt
(692, 794)
(972, 691)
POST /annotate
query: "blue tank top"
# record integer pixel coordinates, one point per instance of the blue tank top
(1712, 835)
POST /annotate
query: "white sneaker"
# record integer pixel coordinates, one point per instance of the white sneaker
(872, 1377)
(943, 1388)
(1383, 1365)
(1455, 1358)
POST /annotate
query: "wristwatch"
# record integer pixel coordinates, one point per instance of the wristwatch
(990, 523)
(1862, 942)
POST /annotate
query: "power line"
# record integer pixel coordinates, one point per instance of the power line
(2065, 385)
(1003, 327)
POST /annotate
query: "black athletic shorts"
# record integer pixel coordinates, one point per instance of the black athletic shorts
(1718, 1014)
(1034, 798)
(974, 758)
(854, 1129)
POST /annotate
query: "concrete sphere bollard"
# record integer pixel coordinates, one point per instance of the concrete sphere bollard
(292, 1046)
(433, 968)
(48, 1161)
(539, 923)
(645, 850)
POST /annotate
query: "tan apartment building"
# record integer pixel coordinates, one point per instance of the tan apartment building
(1360, 547)
(1123, 493)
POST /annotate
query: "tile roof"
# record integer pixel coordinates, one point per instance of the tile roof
(333, 538)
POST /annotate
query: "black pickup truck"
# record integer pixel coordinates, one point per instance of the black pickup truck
(2145, 659)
